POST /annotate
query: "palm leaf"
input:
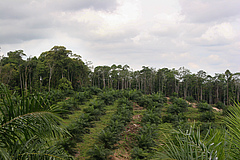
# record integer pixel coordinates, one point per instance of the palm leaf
(25, 117)
(233, 125)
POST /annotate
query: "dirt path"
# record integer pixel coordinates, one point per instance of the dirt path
(128, 136)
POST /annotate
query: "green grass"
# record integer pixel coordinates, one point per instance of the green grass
(90, 139)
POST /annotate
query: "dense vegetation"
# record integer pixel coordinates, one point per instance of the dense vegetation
(60, 68)
(55, 107)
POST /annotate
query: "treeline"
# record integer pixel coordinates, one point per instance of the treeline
(50, 70)
(60, 68)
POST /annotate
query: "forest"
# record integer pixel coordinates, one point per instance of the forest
(56, 106)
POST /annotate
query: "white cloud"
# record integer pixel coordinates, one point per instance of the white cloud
(197, 34)
(219, 32)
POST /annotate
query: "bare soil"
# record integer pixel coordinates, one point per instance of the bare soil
(128, 137)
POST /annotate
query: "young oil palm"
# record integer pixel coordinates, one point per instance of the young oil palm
(28, 127)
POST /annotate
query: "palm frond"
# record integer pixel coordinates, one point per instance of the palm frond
(25, 117)
(233, 126)
(189, 145)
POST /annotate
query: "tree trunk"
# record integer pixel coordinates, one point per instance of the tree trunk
(50, 76)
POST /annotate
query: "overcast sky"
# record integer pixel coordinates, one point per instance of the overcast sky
(196, 34)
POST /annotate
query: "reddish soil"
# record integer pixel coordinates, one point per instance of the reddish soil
(128, 137)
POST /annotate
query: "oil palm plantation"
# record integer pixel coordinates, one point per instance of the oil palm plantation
(29, 127)
(217, 144)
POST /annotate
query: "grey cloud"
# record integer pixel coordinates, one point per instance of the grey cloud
(202, 11)
(64, 5)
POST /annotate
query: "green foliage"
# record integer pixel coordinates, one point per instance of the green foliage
(233, 122)
(77, 129)
(147, 134)
(159, 98)
(190, 99)
(220, 105)
(190, 145)
(93, 113)
(99, 104)
(138, 153)
(124, 101)
(28, 127)
(95, 90)
(99, 152)
(107, 97)
(108, 138)
(174, 109)
(179, 105)
(208, 116)
(206, 112)
(65, 84)
(134, 95)
(152, 116)
(56, 95)
(175, 119)
(145, 101)
(80, 97)
(203, 107)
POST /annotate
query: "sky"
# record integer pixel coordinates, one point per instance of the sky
(196, 34)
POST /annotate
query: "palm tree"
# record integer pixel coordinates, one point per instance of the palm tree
(218, 144)
(29, 127)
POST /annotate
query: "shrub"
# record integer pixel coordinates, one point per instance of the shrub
(100, 105)
(159, 98)
(80, 97)
(207, 116)
(203, 107)
(175, 119)
(124, 101)
(93, 113)
(99, 152)
(147, 134)
(65, 84)
(134, 95)
(190, 99)
(220, 105)
(107, 97)
(108, 138)
(138, 153)
(145, 101)
(152, 116)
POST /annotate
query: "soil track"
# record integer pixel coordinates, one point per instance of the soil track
(128, 137)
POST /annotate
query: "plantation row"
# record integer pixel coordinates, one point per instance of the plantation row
(106, 117)
(157, 112)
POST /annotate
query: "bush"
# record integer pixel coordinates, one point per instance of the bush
(204, 107)
(99, 152)
(65, 84)
(220, 105)
(93, 113)
(207, 116)
(138, 153)
(56, 96)
(107, 97)
(77, 129)
(124, 101)
(144, 101)
(134, 95)
(108, 138)
(100, 105)
(190, 99)
(80, 97)
(175, 119)
(159, 98)
(152, 116)
(147, 135)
